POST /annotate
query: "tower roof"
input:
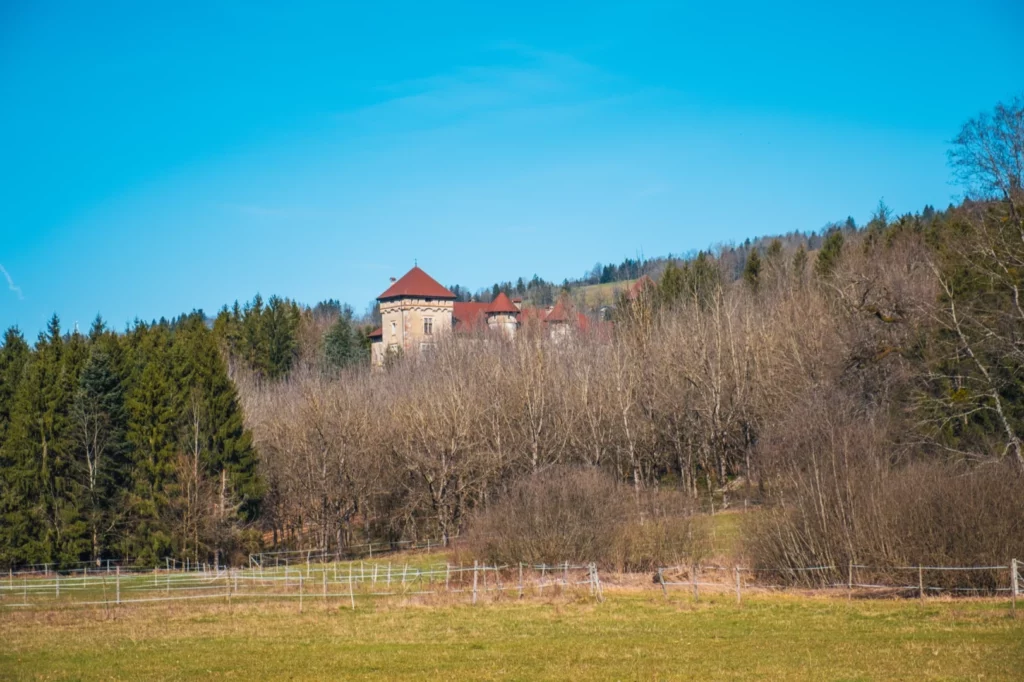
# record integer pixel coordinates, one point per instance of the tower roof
(416, 284)
(559, 313)
(502, 304)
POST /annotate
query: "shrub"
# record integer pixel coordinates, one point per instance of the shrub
(582, 515)
(838, 494)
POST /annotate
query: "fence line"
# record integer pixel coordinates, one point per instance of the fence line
(361, 580)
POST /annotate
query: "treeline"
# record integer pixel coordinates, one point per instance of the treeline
(132, 446)
(122, 446)
(271, 339)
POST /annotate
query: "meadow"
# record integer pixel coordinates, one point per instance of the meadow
(631, 635)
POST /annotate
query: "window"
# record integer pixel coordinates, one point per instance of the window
(428, 325)
(393, 325)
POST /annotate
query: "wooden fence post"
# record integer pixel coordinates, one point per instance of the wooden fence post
(520, 579)
(324, 575)
(1014, 579)
(300, 591)
(351, 589)
(56, 584)
(920, 582)
(849, 581)
(736, 570)
(541, 587)
(447, 575)
(474, 581)
(693, 581)
(118, 586)
(661, 581)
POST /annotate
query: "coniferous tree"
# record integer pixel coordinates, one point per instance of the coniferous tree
(153, 406)
(281, 329)
(342, 347)
(752, 271)
(256, 349)
(828, 256)
(703, 279)
(14, 355)
(42, 519)
(228, 445)
(800, 263)
(98, 424)
(672, 285)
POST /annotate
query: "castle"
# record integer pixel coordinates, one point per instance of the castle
(415, 311)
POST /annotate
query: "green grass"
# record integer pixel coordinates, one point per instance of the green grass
(595, 295)
(727, 534)
(630, 636)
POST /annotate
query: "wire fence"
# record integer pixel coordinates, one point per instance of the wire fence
(308, 577)
(328, 582)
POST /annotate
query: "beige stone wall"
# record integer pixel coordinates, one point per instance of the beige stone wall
(560, 332)
(503, 323)
(377, 353)
(402, 324)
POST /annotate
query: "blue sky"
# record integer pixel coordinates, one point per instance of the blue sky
(156, 158)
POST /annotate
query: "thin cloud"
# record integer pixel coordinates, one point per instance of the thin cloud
(532, 80)
(11, 285)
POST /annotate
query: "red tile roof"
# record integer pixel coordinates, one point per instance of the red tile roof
(416, 284)
(502, 304)
(469, 316)
(560, 313)
(378, 332)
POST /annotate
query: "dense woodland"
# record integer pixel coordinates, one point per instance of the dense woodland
(862, 386)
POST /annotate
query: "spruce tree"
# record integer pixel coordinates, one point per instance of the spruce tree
(672, 285)
(98, 422)
(752, 271)
(14, 355)
(828, 256)
(800, 264)
(255, 346)
(341, 347)
(42, 518)
(228, 456)
(282, 342)
(153, 407)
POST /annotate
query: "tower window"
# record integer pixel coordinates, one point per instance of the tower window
(428, 325)
(393, 325)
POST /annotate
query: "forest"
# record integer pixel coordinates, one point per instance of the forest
(862, 388)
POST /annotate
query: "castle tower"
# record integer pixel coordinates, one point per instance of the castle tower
(415, 312)
(502, 315)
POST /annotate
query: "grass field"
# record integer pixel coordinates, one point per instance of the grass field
(595, 295)
(630, 636)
